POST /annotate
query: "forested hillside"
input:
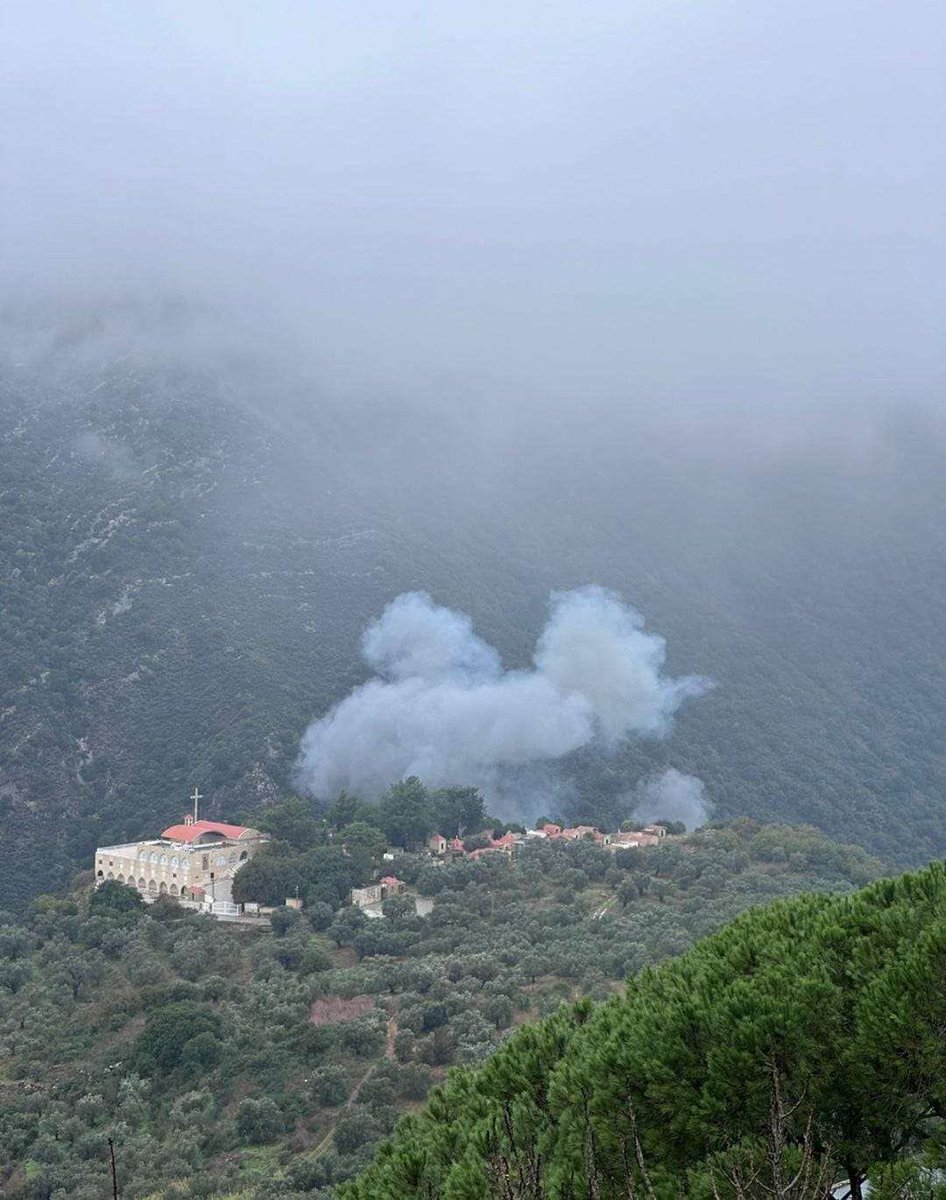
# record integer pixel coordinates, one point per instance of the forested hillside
(189, 555)
(798, 1049)
(472, 601)
(226, 1061)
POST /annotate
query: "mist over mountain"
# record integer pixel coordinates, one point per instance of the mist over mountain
(193, 546)
(311, 307)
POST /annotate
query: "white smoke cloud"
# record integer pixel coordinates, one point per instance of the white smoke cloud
(442, 708)
(415, 639)
(672, 796)
(595, 646)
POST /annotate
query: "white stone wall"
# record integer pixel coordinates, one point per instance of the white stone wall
(163, 868)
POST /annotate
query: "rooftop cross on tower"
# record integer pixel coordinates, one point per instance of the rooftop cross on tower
(196, 797)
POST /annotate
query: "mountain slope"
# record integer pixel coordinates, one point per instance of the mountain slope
(150, 639)
(190, 554)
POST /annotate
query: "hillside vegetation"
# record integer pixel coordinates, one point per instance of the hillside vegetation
(801, 1046)
(189, 556)
(228, 1061)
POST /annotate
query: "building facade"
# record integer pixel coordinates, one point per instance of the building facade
(194, 861)
(369, 899)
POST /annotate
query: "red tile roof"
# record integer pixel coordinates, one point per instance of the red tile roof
(187, 833)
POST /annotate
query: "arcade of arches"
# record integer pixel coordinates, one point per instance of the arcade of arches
(192, 861)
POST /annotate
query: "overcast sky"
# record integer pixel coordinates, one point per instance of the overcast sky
(649, 197)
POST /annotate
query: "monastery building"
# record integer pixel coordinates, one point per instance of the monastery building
(195, 861)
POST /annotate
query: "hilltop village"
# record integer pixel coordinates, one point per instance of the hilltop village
(370, 898)
(508, 843)
(196, 861)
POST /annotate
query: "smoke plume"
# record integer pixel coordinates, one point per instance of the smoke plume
(672, 796)
(441, 706)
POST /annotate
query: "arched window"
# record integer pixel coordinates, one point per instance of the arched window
(231, 857)
(109, 876)
(183, 893)
(154, 857)
(221, 860)
(121, 879)
(243, 856)
(101, 875)
(163, 889)
(164, 860)
(173, 889)
(174, 861)
(152, 887)
(141, 885)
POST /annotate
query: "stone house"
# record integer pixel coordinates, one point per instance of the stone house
(376, 893)
(363, 897)
(631, 839)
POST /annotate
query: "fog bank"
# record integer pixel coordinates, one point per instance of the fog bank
(663, 202)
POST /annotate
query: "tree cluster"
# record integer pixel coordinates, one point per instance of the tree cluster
(799, 1047)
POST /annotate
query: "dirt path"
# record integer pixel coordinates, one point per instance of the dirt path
(348, 1104)
(358, 1086)
(388, 1053)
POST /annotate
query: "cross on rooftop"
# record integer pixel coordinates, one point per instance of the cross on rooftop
(196, 797)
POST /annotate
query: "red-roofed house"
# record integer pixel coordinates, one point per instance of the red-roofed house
(575, 833)
(476, 855)
(580, 833)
